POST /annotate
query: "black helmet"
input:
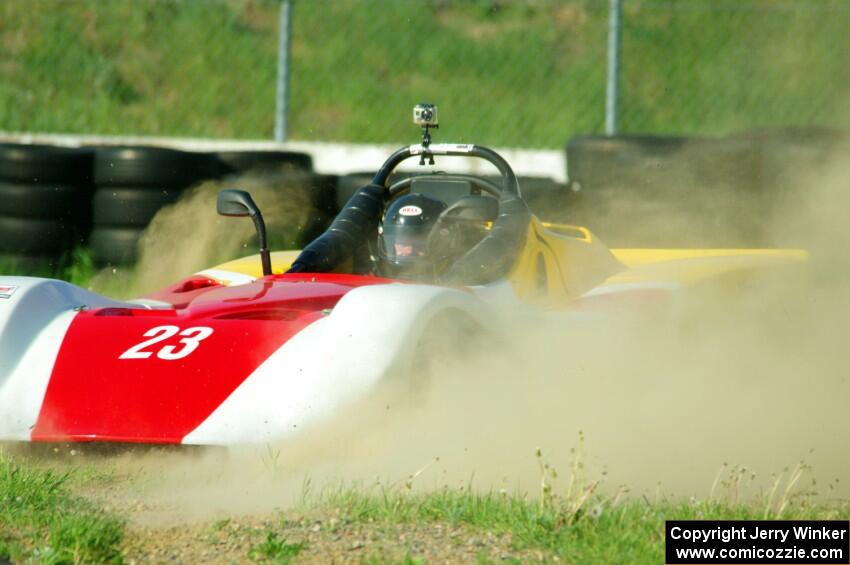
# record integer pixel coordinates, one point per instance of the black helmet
(412, 242)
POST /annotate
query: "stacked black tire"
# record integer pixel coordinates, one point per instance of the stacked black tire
(131, 185)
(323, 201)
(548, 199)
(285, 168)
(657, 191)
(239, 162)
(44, 203)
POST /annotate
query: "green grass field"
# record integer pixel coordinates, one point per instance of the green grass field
(41, 521)
(75, 267)
(504, 73)
(44, 518)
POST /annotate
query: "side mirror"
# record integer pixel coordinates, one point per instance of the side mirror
(238, 203)
(232, 202)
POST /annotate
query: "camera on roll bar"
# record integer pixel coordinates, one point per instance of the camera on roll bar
(425, 115)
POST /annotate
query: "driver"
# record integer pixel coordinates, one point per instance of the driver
(421, 238)
(417, 241)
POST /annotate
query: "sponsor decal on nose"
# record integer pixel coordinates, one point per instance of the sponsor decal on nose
(7, 291)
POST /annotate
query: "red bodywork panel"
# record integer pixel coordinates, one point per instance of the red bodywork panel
(163, 390)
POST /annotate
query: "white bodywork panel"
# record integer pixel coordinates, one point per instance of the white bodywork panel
(370, 335)
(33, 322)
(339, 359)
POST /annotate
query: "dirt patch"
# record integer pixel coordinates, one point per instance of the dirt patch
(320, 538)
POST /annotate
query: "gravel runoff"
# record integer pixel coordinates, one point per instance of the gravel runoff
(326, 539)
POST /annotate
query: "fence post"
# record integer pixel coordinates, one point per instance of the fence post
(283, 48)
(612, 87)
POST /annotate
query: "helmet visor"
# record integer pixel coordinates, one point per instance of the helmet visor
(404, 244)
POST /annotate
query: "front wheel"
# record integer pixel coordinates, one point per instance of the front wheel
(451, 339)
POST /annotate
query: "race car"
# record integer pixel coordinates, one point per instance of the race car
(258, 349)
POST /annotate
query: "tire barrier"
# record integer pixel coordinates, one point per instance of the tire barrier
(115, 245)
(800, 169)
(595, 161)
(631, 190)
(129, 206)
(789, 157)
(44, 202)
(235, 162)
(286, 167)
(638, 191)
(155, 167)
(324, 202)
(45, 164)
(548, 199)
(131, 185)
(348, 184)
(35, 237)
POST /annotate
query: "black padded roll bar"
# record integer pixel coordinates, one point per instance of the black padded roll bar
(509, 181)
(358, 221)
(351, 228)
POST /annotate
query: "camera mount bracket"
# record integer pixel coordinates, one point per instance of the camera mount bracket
(426, 141)
(425, 114)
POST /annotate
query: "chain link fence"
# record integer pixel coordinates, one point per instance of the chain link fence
(524, 73)
(699, 67)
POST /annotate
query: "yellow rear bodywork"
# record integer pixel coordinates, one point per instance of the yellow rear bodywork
(560, 262)
(251, 266)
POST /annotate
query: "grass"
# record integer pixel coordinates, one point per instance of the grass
(504, 73)
(41, 521)
(277, 549)
(602, 530)
(76, 267)
(579, 524)
(629, 530)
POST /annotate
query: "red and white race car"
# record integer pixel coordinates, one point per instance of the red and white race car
(257, 349)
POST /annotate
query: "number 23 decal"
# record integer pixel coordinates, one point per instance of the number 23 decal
(192, 338)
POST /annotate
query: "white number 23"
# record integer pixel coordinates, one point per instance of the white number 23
(192, 338)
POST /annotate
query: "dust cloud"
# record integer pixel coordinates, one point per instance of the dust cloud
(762, 384)
(189, 235)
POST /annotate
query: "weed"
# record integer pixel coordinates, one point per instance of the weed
(773, 506)
(579, 490)
(219, 525)
(271, 459)
(276, 549)
(40, 520)
(80, 268)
